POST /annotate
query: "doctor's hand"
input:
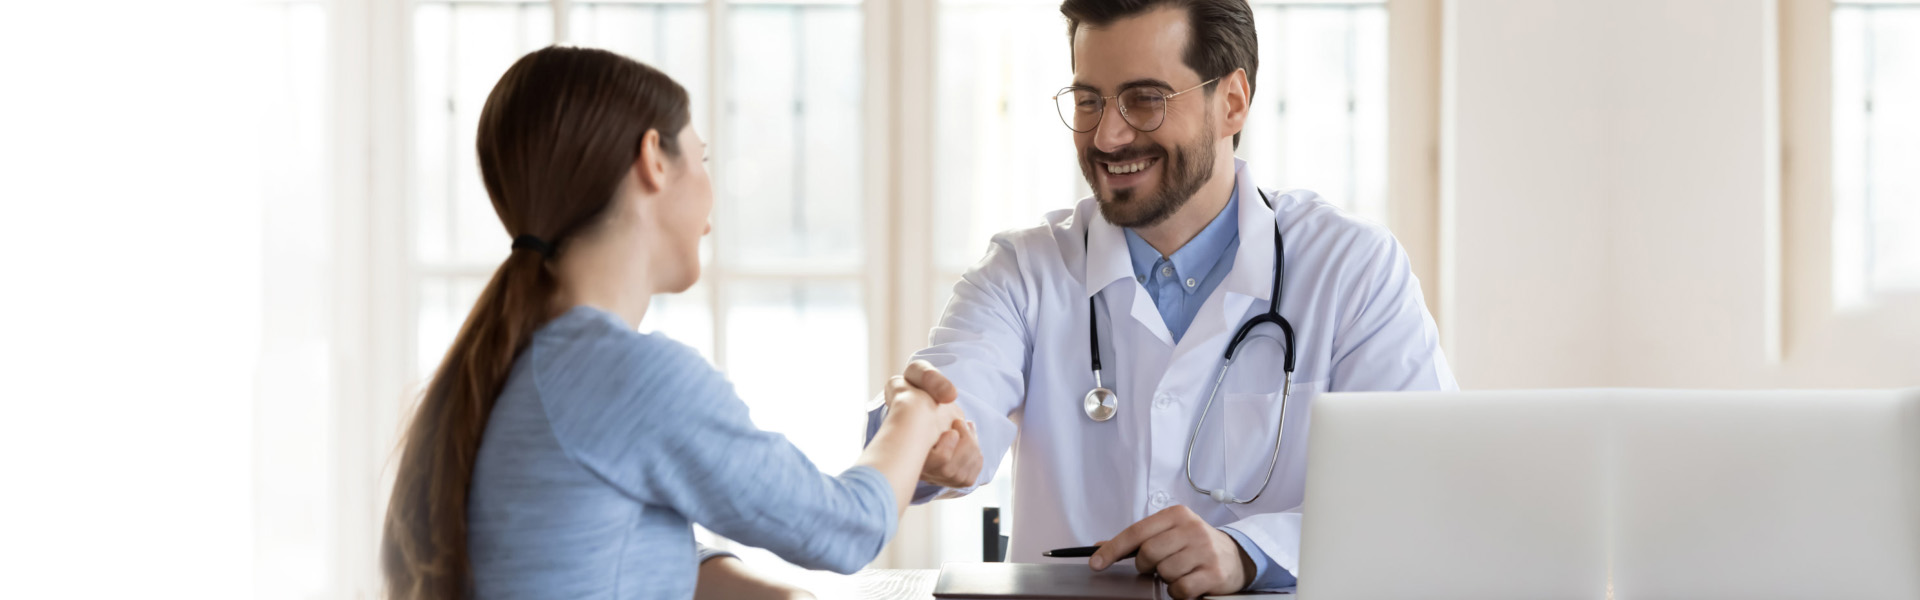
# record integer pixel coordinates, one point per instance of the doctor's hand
(1192, 556)
(955, 460)
(907, 401)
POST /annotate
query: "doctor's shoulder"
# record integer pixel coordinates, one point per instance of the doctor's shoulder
(1012, 252)
(1326, 234)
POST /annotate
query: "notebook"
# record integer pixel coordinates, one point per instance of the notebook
(1040, 582)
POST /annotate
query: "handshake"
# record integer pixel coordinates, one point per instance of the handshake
(954, 461)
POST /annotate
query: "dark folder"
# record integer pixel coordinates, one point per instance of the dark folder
(1037, 582)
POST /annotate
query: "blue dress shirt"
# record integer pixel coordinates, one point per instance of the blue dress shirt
(1179, 284)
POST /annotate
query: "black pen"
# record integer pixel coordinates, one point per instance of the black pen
(1081, 552)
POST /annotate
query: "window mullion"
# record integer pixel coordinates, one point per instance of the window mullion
(717, 166)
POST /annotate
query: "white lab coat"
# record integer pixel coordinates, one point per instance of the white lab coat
(1014, 340)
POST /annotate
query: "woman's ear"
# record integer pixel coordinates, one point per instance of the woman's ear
(651, 167)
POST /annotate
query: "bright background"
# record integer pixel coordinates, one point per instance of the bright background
(240, 233)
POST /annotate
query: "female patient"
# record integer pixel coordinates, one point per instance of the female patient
(558, 453)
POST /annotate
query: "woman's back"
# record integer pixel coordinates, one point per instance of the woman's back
(606, 443)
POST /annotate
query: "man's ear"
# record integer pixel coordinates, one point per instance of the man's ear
(651, 167)
(1238, 96)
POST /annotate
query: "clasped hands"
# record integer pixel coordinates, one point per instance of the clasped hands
(1191, 555)
(955, 459)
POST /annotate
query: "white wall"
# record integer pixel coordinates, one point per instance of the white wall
(1611, 202)
(131, 307)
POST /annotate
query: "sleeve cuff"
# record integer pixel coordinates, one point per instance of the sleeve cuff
(707, 553)
(877, 483)
(1267, 574)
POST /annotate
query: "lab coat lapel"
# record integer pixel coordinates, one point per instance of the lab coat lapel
(1107, 263)
(1248, 281)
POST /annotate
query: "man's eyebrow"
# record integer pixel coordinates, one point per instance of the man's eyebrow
(1145, 82)
(1142, 82)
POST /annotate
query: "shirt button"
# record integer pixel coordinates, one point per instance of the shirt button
(1166, 271)
(1190, 282)
(1163, 401)
(1160, 499)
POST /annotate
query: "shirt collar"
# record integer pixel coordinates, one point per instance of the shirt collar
(1199, 256)
(1252, 263)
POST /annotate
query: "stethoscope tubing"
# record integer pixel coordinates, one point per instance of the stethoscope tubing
(1101, 403)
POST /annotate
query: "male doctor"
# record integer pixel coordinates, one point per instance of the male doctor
(1174, 251)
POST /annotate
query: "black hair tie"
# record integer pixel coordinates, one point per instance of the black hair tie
(528, 241)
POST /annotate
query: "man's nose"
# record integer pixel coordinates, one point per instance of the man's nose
(1113, 133)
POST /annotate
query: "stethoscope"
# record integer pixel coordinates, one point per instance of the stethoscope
(1101, 403)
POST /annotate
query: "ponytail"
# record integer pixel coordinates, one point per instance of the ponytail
(557, 135)
(424, 550)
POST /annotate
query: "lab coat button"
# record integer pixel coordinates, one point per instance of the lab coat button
(1160, 499)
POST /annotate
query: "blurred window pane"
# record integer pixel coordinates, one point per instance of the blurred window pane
(460, 49)
(797, 351)
(444, 303)
(792, 151)
(1319, 111)
(1876, 145)
(1002, 157)
(670, 36)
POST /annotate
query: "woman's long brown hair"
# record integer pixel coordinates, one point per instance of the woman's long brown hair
(557, 136)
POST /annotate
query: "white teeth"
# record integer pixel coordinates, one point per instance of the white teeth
(1132, 167)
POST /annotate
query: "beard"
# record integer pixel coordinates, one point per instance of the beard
(1184, 170)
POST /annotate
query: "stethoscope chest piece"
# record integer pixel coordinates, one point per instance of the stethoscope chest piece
(1101, 404)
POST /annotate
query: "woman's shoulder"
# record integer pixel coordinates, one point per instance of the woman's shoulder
(587, 351)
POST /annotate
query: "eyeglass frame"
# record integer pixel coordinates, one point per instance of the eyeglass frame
(1122, 106)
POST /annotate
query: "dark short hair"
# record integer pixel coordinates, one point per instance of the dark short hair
(1222, 39)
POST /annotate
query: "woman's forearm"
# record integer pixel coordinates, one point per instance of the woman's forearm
(899, 449)
(726, 578)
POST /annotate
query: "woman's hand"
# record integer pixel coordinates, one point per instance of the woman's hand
(918, 416)
(925, 397)
(726, 578)
(955, 460)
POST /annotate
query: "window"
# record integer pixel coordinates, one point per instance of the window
(1876, 144)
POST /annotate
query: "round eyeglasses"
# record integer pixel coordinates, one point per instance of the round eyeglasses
(1143, 108)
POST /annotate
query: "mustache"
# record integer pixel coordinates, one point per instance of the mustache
(1126, 155)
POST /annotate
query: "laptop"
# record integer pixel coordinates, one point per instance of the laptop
(1613, 494)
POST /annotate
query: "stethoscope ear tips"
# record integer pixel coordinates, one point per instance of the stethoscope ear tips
(1223, 497)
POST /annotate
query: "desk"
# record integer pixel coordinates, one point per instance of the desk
(871, 584)
(880, 584)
